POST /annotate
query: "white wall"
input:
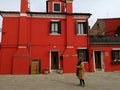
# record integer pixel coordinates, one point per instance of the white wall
(0, 27)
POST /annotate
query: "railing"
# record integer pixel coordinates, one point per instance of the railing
(104, 40)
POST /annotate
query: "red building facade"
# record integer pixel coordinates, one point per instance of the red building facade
(33, 41)
(105, 45)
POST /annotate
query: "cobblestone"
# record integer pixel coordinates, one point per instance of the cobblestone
(94, 81)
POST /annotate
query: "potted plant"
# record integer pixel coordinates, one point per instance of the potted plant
(46, 71)
(60, 71)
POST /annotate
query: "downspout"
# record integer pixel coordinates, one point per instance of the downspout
(29, 45)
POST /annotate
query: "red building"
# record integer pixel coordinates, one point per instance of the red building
(33, 41)
(105, 45)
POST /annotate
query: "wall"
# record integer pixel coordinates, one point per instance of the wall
(107, 59)
(39, 44)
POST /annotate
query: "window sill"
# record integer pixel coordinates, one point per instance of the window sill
(115, 62)
(81, 34)
(54, 34)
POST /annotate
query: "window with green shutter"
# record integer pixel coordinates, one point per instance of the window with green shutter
(81, 28)
(55, 27)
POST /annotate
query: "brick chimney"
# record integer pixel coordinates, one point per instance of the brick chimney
(69, 7)
(24, 6)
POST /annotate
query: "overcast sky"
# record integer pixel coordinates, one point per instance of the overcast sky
(98, 8)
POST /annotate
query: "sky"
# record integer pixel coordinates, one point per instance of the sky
(98, 8)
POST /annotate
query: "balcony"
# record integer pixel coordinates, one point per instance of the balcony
(104, 40)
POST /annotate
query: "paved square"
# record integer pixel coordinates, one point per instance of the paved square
(94, 81)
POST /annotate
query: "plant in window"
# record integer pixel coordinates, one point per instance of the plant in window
(115, 62)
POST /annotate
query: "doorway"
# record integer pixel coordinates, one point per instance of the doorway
(54, 60)
(35, 67)
(98, 56)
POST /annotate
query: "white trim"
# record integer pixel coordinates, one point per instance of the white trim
(10, 15)
(82, 48)
(47, 16)
(23, 14)
(70, 46)
(115, 48)
(80, 16)
(22, 47)
(54, 34)
(81, 21)
(51, 60)
(53, 6)
(102, 60)
(55, 20)
(82, 34)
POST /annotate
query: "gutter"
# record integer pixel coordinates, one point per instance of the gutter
(1, 14)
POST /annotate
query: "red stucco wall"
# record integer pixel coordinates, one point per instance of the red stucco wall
(107, 59)
(36, 32)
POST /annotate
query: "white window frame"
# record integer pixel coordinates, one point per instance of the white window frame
(81, 27)
(116, 49)
(56, 29)
(56, 3)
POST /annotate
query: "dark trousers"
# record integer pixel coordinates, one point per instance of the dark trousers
(82, 82)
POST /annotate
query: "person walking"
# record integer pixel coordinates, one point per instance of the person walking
(80, 72)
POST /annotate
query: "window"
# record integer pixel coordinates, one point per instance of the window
(56, 7)
(81, 28)
(83, 54)
(55, 27)
(115, 55)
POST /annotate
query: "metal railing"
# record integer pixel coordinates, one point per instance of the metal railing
(104, 40)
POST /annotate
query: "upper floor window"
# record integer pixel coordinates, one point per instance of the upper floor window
(55, 27)
(56, 7)
(83, 54)
(81, 28)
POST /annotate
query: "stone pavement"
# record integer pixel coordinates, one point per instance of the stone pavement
(94, 81)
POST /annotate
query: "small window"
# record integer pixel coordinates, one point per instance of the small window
(81, 28)
(56, 7)
(116, 55)
(55, 27)
(83, 54)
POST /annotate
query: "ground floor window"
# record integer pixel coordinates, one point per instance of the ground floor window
(83, 54)
(115, 55)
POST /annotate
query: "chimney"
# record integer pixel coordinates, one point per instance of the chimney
(24, 6)
(69, 6)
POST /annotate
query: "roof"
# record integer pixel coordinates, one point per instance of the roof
(51, 13)
(108, 18)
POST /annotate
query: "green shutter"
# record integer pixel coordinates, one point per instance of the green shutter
(85, 25)
(50, 26)
(113, 54)
(76, 27)
(59, 27)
